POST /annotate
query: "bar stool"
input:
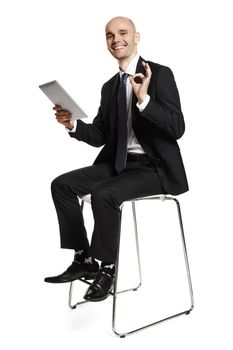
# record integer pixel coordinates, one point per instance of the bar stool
(115, 292)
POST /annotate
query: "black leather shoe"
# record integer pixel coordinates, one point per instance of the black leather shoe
(75, 271)
(100, 287)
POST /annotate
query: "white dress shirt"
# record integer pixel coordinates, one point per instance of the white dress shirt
(133, 145)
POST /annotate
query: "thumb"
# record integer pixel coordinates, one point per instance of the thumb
(132, 82)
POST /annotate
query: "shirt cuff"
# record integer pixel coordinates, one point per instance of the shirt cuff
(142, 106)
(74, 128)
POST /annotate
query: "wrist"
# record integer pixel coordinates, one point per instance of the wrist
(141, 106)
(72, 126)
(141, 98)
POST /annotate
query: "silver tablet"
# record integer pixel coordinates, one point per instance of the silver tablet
(58, 95)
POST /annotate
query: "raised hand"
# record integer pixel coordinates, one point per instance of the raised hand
(140, 89)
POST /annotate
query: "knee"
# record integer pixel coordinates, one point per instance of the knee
(57, 183)
(97, 193)
(102, 194)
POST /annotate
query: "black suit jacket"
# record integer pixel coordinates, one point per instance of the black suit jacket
(156, 128)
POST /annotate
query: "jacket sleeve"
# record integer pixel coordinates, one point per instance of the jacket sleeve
(165, 111)
(92, 133)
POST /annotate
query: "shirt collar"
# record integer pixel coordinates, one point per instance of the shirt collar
(131, 69)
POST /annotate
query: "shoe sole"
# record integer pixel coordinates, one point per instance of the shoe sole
(87, 276)
(99, 299)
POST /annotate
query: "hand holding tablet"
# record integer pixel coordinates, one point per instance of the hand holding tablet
(63, 116)
(62, 100)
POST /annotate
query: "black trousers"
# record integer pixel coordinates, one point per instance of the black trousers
(108, 190)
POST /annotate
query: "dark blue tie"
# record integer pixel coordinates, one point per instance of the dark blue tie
(122, 130)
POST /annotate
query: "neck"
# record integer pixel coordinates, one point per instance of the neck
(124, 62)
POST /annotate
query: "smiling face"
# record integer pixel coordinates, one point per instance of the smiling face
(122, 39)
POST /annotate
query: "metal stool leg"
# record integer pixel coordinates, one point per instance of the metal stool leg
(70, 303)
(115, 293)
(137, 244)
(185, 253)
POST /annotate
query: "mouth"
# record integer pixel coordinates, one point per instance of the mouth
(119, 47)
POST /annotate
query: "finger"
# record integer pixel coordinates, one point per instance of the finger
(63, 112)
(138, 78)
(132, 82)
(140, 75)
(147, 69)
(57, 108)
(62, 119)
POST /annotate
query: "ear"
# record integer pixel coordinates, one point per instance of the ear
(137, 38)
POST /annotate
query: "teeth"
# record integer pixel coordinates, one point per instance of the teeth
(118, 47)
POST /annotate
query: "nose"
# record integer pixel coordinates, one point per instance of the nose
(116, 38)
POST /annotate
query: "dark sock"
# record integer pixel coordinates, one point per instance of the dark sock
(108, 267)
(82, 256)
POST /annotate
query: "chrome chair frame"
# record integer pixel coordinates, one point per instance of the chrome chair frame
(115, 292)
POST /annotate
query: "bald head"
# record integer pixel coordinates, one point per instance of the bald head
(123, 20)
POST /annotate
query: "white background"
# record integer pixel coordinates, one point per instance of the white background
(64, 40)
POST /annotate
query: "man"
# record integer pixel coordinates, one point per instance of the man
(138, 122)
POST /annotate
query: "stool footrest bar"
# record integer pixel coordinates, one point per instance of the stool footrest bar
(124, 334)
